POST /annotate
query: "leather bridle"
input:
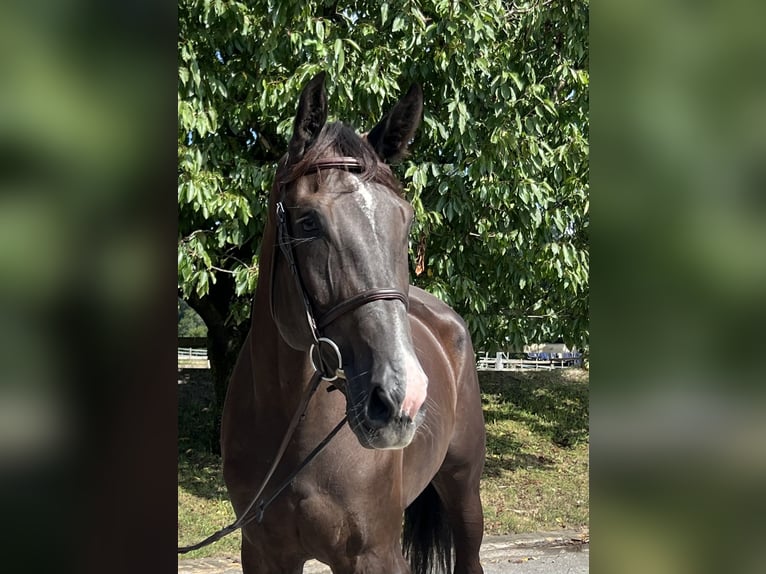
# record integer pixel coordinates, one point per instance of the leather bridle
(318, 358)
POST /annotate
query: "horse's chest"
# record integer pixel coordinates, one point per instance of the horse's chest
(336, 520)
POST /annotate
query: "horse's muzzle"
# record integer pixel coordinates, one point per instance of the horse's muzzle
(397, 433)
(387, 416)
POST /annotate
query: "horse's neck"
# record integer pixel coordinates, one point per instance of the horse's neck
(278, 369)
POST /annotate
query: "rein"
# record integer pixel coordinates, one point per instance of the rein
(324, 371)
(246, 517)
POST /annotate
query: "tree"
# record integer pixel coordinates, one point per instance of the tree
(190, 324)
(498, 173)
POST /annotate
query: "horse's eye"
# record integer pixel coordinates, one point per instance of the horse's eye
(308, 224)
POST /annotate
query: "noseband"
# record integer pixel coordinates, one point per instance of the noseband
(328, 371)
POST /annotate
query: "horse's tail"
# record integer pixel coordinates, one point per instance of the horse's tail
(427, 537)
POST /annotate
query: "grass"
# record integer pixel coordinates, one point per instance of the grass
(535, 476)
(203, 505)
(536, 470)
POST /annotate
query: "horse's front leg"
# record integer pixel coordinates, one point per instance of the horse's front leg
(259, 559)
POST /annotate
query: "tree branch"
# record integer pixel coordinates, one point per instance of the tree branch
(516, 10)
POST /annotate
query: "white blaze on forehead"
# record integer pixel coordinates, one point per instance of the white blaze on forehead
(366, 201)
(416, 380)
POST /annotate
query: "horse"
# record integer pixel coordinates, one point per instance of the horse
(402, 477)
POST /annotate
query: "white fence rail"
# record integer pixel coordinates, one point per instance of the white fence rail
(533, 361)
(193, 358)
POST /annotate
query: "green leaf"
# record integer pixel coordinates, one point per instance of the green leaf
(195, 73)
(517, 80)
(353, 44)
(202, 283)
(339, 56)
(190, 192)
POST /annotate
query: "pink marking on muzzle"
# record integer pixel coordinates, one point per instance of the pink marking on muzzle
(417, 388)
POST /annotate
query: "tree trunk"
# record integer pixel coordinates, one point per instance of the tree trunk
(223, 344)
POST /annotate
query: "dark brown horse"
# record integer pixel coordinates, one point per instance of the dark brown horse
(334, 253)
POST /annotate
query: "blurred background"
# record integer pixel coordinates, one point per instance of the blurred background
(678, 284)
(87, 257)
(87, 202)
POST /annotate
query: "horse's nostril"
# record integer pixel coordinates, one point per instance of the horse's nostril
(380, 407)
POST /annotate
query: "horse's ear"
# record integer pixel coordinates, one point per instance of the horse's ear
(310, 118)
(397, 128)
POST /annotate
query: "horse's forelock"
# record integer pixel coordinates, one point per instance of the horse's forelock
(338, 139)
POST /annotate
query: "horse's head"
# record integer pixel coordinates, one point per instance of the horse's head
(342, 221)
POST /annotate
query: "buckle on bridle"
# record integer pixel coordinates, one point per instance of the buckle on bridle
(328, 372)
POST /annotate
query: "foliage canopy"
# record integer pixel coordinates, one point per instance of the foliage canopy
(498, 173)
(189, 323)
